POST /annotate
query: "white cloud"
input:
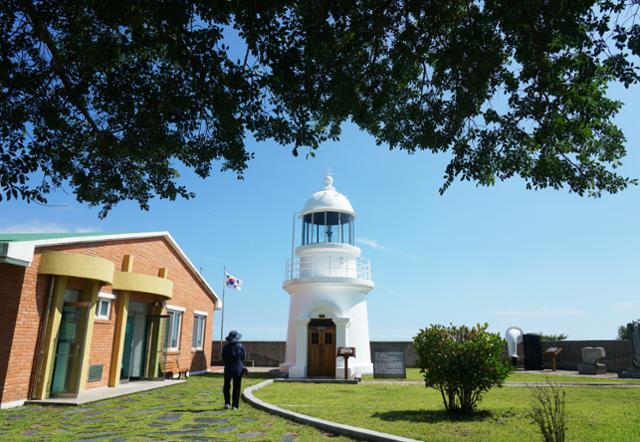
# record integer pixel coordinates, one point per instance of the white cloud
(44, 227)
(545, 311)
(376, 245)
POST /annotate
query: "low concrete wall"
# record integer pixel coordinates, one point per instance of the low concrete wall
(271, 353)
(262, 353)
(618, 353)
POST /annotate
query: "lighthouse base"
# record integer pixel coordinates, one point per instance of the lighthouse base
(300, 371)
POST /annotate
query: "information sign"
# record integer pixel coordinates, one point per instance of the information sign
(389, 364)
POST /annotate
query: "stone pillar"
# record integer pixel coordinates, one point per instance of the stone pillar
(156, 341)
(120, 327)
(118, 338)
(341, 341)
(51, 332)
(90, 296)
(299, 370)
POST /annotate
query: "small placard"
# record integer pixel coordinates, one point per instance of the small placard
(554, 350)
(347, 351)
(389, 364)
(95, 372)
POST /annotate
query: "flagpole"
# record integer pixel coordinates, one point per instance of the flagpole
(224, 284)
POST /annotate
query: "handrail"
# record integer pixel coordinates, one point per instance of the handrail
(331, 266)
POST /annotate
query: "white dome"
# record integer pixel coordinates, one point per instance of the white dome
(328, 200)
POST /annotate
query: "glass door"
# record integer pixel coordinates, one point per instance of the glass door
(66, 365)
(125, 368)
(156, 324)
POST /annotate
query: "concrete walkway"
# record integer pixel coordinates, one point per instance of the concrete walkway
(102, 393)
(324, 425)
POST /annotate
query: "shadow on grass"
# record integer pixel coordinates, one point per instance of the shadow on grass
(432, 416)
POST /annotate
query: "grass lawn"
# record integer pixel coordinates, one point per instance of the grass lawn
(413, 374)
(190, 411)
(594, 414)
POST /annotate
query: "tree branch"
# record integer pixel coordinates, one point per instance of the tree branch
(57, 61)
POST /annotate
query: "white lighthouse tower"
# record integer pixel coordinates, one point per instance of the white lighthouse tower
(327, 281)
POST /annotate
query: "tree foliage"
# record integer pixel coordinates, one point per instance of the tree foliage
(109, 98)
(624, 331)
(554, 337)
(462, 363)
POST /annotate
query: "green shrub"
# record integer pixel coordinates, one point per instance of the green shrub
(462, 363)
(548, 412)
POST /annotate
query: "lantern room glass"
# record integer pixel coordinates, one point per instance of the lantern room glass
(328, 227)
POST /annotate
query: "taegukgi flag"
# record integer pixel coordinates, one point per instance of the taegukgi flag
(233, 282)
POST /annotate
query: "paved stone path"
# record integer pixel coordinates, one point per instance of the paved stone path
(194, 414)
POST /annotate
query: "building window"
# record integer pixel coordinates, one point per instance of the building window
(103, 307)
(174, 324)
(197, 339)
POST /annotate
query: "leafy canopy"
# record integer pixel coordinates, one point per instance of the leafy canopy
(110, 97)
(462, 363)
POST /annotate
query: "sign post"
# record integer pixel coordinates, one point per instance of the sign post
(389, 364)
(554, 352)
(346, 353)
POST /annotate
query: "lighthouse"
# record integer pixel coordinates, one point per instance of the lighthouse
(327, 280)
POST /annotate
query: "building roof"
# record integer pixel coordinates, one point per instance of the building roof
(328, 199)
(18, 248)
(12, 237)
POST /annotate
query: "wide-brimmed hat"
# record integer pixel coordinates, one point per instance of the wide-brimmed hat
(234, 336)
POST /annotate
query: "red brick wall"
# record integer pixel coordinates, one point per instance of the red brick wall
(27, 310)
(19, 327)
(102, 342)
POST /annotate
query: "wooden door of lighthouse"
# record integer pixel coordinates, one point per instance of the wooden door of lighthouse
(322, 348)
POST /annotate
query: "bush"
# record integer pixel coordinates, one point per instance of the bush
(548, 412)
(462, 363)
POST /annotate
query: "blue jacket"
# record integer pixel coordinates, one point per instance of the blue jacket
(233, 356)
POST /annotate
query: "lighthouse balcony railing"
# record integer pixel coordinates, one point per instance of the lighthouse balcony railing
(328, 266)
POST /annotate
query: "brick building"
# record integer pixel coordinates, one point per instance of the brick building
(81, 311)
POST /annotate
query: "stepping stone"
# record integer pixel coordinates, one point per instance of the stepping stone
(139, 412)
(211, 420)
(76, 410)
(170, 417)
(62, 431)
(226, 429)
(249, 419)
(30, 432)
(289, 437)
(250, 434)
(183, 432)
(202, 438)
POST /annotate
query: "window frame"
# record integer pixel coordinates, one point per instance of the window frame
(174, 311)
(104, 298)
(197, 317)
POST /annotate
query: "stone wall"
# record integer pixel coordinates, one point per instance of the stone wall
(271, 353)
(618, 353)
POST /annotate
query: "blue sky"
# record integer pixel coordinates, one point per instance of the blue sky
(544, 260)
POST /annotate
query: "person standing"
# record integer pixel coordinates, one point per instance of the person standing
(233, 356)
